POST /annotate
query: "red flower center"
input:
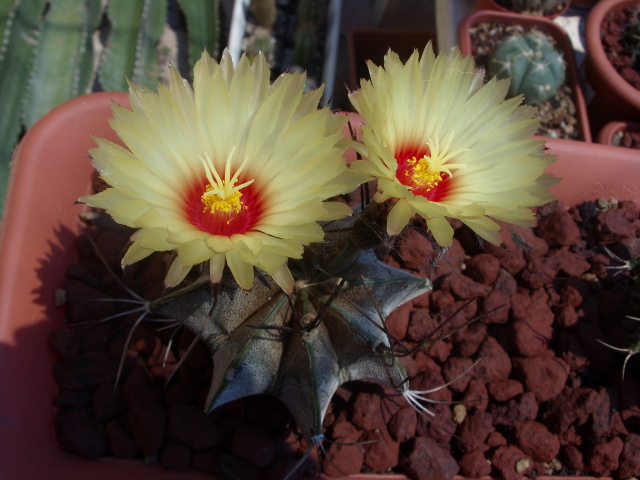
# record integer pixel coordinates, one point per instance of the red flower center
(217, 212)
(416, 171)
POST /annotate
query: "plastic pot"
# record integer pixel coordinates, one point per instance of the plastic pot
(612, 132)
(615, 98)
(37, 245)
(558, 34)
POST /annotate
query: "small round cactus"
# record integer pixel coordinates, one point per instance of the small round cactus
(536, 69)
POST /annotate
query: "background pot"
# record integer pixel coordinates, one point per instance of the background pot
(37, 244)
(615, 98)
(493, 5)
(612, 132)
(559, 35)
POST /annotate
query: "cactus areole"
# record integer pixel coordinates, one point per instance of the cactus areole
(301, 347)
(536, 69)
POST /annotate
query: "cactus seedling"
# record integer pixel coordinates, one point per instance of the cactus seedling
(536, 69)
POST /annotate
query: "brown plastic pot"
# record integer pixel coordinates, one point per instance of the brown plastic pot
(615, 98)
(37, 245)
(493, 5)
(612, 133)
(373, 44)
(559, 35)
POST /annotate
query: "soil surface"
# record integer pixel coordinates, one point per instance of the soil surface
(619, 44)
(527, 389)
(558, 114)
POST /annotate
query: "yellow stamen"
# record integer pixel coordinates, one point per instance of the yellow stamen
(423, 174)
(223, 195)
(215, 203)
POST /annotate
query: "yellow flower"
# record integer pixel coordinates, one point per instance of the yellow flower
(445, 144)
(232, 171)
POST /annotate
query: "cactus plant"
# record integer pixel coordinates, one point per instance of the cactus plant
(309, 18)
(301, 347)
(264, 12)
(534, 6)
(536, 69)
(203, 27)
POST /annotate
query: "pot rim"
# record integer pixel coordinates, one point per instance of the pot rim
(559, 35)
(597, 61)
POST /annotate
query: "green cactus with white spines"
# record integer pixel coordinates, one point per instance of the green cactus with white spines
(536, 69)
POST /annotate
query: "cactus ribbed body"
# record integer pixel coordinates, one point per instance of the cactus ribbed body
(301, 347)
(536, 69)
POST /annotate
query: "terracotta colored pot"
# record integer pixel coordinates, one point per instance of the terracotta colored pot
(493, 5)
(612, 132)
(373, 44)
(37, 244)
(559, 35)
(615, 98)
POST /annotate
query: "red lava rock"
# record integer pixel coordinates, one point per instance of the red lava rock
(66, 343)
(630, 457)
(530, 340)
(397, 322)
(382, 453)
(570, 350)
(121, 444)
(175, 456)
(496, 439)
(494, 364)
(439, 427)
(511, 463)
(89, 368)
(402, 425)
(558, 229)
(612, 226)
(532, 245)
(573, 458)
(468, 342)
(505, 283)
(344, 431)
(148, 422)
(602, 458)
(79, 434)
(474, 464)
(463, 287)
(342, 460)
(566, 317)
(573, 291)
(428, 461)
(189, 425)
(570, 263)
(545, 376)
(483, 268)
(600, 356)
(422, 322)
(540, 271)
(474, 430)
(106, 402)
(532, 308)
(455, 367)
(476, 395)
(366, 411)
(254, 443)
(495, 308)
(535, 440)
(503, 390)
(519, 409)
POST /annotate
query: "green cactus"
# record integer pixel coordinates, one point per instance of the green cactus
(264, 12)
(19, 27)
(306, 41)
(260, 41)
(311, 13)
(203, 27)
(65, 53)
(132, 46)
(536, 69)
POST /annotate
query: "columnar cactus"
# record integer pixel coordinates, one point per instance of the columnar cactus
(309, 18)
(536, 69)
